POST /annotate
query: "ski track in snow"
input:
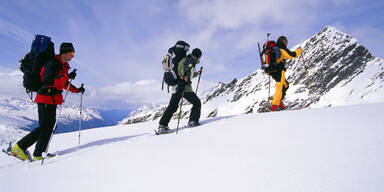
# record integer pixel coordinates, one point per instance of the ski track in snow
(323, 149)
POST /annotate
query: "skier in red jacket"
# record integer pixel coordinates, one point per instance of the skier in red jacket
(55, 78)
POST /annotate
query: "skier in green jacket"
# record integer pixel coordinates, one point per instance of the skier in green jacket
(185, 71)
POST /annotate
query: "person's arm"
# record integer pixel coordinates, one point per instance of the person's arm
(72, 88)
(287, 54)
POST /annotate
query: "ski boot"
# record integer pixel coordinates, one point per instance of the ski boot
(274, 108)
(19, 153)
(163, 130)
(193, 124)
(39, 158)
(282, 106)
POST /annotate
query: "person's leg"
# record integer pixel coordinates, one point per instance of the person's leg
(280, 80)
(171, 109)
(47, 119)
(29, 139)
(196, 108)
(285, 88)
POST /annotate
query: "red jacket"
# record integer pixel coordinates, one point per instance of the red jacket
(54, 76)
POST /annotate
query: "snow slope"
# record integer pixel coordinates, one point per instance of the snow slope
(325, 149)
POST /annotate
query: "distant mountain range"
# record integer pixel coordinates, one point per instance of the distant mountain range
(18, 114)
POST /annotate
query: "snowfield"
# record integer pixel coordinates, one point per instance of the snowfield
(325, 149)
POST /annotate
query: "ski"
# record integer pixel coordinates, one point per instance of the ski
(9, 153)
(189, 126)
(157, 133)
(30, 159)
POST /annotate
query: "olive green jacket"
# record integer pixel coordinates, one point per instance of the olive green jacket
(183, 66)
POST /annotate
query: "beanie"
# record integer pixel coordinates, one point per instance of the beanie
(66, 47)
(197, 52)
(280, 42)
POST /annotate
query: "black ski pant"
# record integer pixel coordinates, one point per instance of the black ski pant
(40, 135)
(174, 103)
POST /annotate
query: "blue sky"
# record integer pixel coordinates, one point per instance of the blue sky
(120, 44)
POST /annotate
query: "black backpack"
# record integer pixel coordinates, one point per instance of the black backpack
(42, 51)
(172, 58)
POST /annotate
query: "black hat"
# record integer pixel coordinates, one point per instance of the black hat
(280, 42)
(66, 47)
(197, 52)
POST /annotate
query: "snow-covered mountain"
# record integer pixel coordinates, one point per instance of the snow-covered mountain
(331, 149)
(144, 113)
(342, 72)
(17, 113)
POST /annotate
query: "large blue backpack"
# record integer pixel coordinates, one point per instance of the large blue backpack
(42, 51)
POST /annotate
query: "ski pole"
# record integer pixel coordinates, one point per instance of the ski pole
(181, 105)
(269, 80)
(198, 81)
(162, 84)
(309, 80)
(269, 92)
(55, 126)
(81, 114)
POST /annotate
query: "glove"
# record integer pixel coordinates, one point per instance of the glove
(181, 85)
(301, 49)
(72, 75)
(81, 89)
(200, 71)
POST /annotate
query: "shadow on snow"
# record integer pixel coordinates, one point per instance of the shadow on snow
(124, 138)
(99, 142)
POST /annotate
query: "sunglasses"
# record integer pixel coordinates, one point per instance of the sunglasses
(72, 53)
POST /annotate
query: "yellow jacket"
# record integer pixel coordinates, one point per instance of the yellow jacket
(287, 54)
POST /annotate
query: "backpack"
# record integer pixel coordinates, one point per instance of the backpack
(271, 53)
(171, 60)
(42, 51)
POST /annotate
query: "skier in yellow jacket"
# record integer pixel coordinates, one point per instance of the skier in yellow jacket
(279, 75)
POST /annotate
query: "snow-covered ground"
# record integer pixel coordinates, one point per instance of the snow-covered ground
(323, 149)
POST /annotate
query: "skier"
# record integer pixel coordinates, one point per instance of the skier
(55, 78)
(279, 74)
(185, 72)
